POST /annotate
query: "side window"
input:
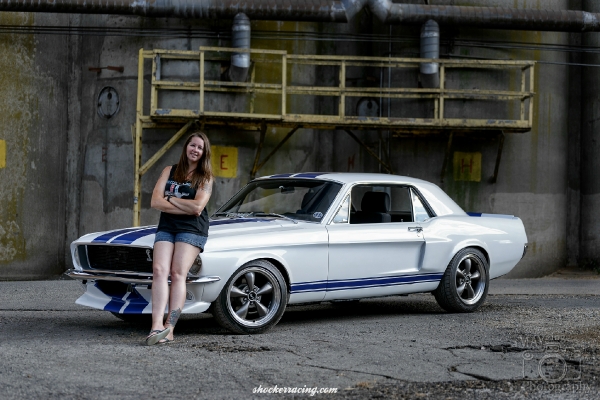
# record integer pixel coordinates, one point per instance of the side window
(420, 211)
(372, 204)
(343, 214)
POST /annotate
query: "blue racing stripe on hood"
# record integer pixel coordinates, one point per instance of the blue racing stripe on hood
(237, 221)
(308, 175)
(133, 236)
(107, 236)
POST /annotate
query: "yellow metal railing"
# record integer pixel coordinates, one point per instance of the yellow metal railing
(282, 88)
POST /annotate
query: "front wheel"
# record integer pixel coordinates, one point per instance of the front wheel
(253, 299)
(464, 286)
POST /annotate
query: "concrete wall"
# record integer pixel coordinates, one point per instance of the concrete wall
(70, 171)
(33, 124)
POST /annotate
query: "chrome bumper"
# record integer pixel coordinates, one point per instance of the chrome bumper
(139, 278)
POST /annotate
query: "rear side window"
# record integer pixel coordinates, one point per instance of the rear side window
(419, 211)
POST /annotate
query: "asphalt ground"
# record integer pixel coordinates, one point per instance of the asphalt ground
(533, 338)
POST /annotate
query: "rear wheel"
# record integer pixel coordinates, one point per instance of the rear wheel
(253, 299)
(464, 286)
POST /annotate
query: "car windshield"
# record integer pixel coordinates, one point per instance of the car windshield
(302, 199)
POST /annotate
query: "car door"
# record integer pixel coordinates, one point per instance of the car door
(374, 258)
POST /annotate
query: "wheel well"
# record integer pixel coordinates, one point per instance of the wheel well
(485, 253)
(281, 269)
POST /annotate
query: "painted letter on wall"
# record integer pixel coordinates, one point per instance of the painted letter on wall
(224, 161)
(467, 166)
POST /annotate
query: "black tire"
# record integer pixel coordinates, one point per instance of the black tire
(465, 283)
(133, 318)
(253, 299)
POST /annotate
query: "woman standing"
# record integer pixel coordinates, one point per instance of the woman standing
(181, 194)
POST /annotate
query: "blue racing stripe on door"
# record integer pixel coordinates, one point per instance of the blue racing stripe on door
(133, 236)
(107, 236)
(363, 283)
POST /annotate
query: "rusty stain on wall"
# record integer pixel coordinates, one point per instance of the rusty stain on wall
(17, 92)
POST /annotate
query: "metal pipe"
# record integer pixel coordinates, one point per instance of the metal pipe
(240, 39)
(493, 17)
(282, 10)
(324, 11)
(430, 48)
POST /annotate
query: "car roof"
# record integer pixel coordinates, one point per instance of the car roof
(441, 203)
(350, 177)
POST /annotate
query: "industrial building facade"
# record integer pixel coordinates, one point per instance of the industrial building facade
(502, 114)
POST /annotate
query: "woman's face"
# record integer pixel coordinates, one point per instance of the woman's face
(195, 149)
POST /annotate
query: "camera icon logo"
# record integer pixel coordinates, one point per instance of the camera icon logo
(550, 364)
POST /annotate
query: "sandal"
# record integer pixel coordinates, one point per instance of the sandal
(165, 341)
(156, 335)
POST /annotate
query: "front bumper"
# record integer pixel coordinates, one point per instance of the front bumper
(138, 278)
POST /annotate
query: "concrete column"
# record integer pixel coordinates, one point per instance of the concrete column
(590, 146)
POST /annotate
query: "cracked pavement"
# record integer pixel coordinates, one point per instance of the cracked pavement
(533, 338)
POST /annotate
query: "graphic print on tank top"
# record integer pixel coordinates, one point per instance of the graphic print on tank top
(180, 190)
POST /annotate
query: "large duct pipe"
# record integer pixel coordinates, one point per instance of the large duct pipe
(324, 11)
(493, 17)
(430, 48)
(240, 39)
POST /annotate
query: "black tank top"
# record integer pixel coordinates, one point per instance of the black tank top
(175, 223)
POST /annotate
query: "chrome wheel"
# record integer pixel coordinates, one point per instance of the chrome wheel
(464, 286)
(470, 279)
(253, 299)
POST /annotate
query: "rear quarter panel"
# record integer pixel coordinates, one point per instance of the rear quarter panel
(502, 239)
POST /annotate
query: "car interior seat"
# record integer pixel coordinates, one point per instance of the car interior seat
(374, 209)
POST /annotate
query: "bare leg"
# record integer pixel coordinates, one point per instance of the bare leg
(163, 256)
(183, 258)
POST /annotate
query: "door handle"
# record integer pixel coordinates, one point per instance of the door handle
(415, 229)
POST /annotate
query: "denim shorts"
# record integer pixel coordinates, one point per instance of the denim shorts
(184, 237)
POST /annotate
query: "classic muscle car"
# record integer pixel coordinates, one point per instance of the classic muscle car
(312, 237)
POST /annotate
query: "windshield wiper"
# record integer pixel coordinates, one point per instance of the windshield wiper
(268, 214)
(233, 214)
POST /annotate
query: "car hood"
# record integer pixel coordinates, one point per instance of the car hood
(144, 236)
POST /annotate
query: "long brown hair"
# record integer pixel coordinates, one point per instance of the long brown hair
(203, 172)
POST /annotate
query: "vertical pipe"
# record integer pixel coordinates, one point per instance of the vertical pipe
(201, 111)
(240, 39)
(430, 48)
(283, 84)
(342, 105)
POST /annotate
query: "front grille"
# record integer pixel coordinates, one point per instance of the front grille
(120, 258)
